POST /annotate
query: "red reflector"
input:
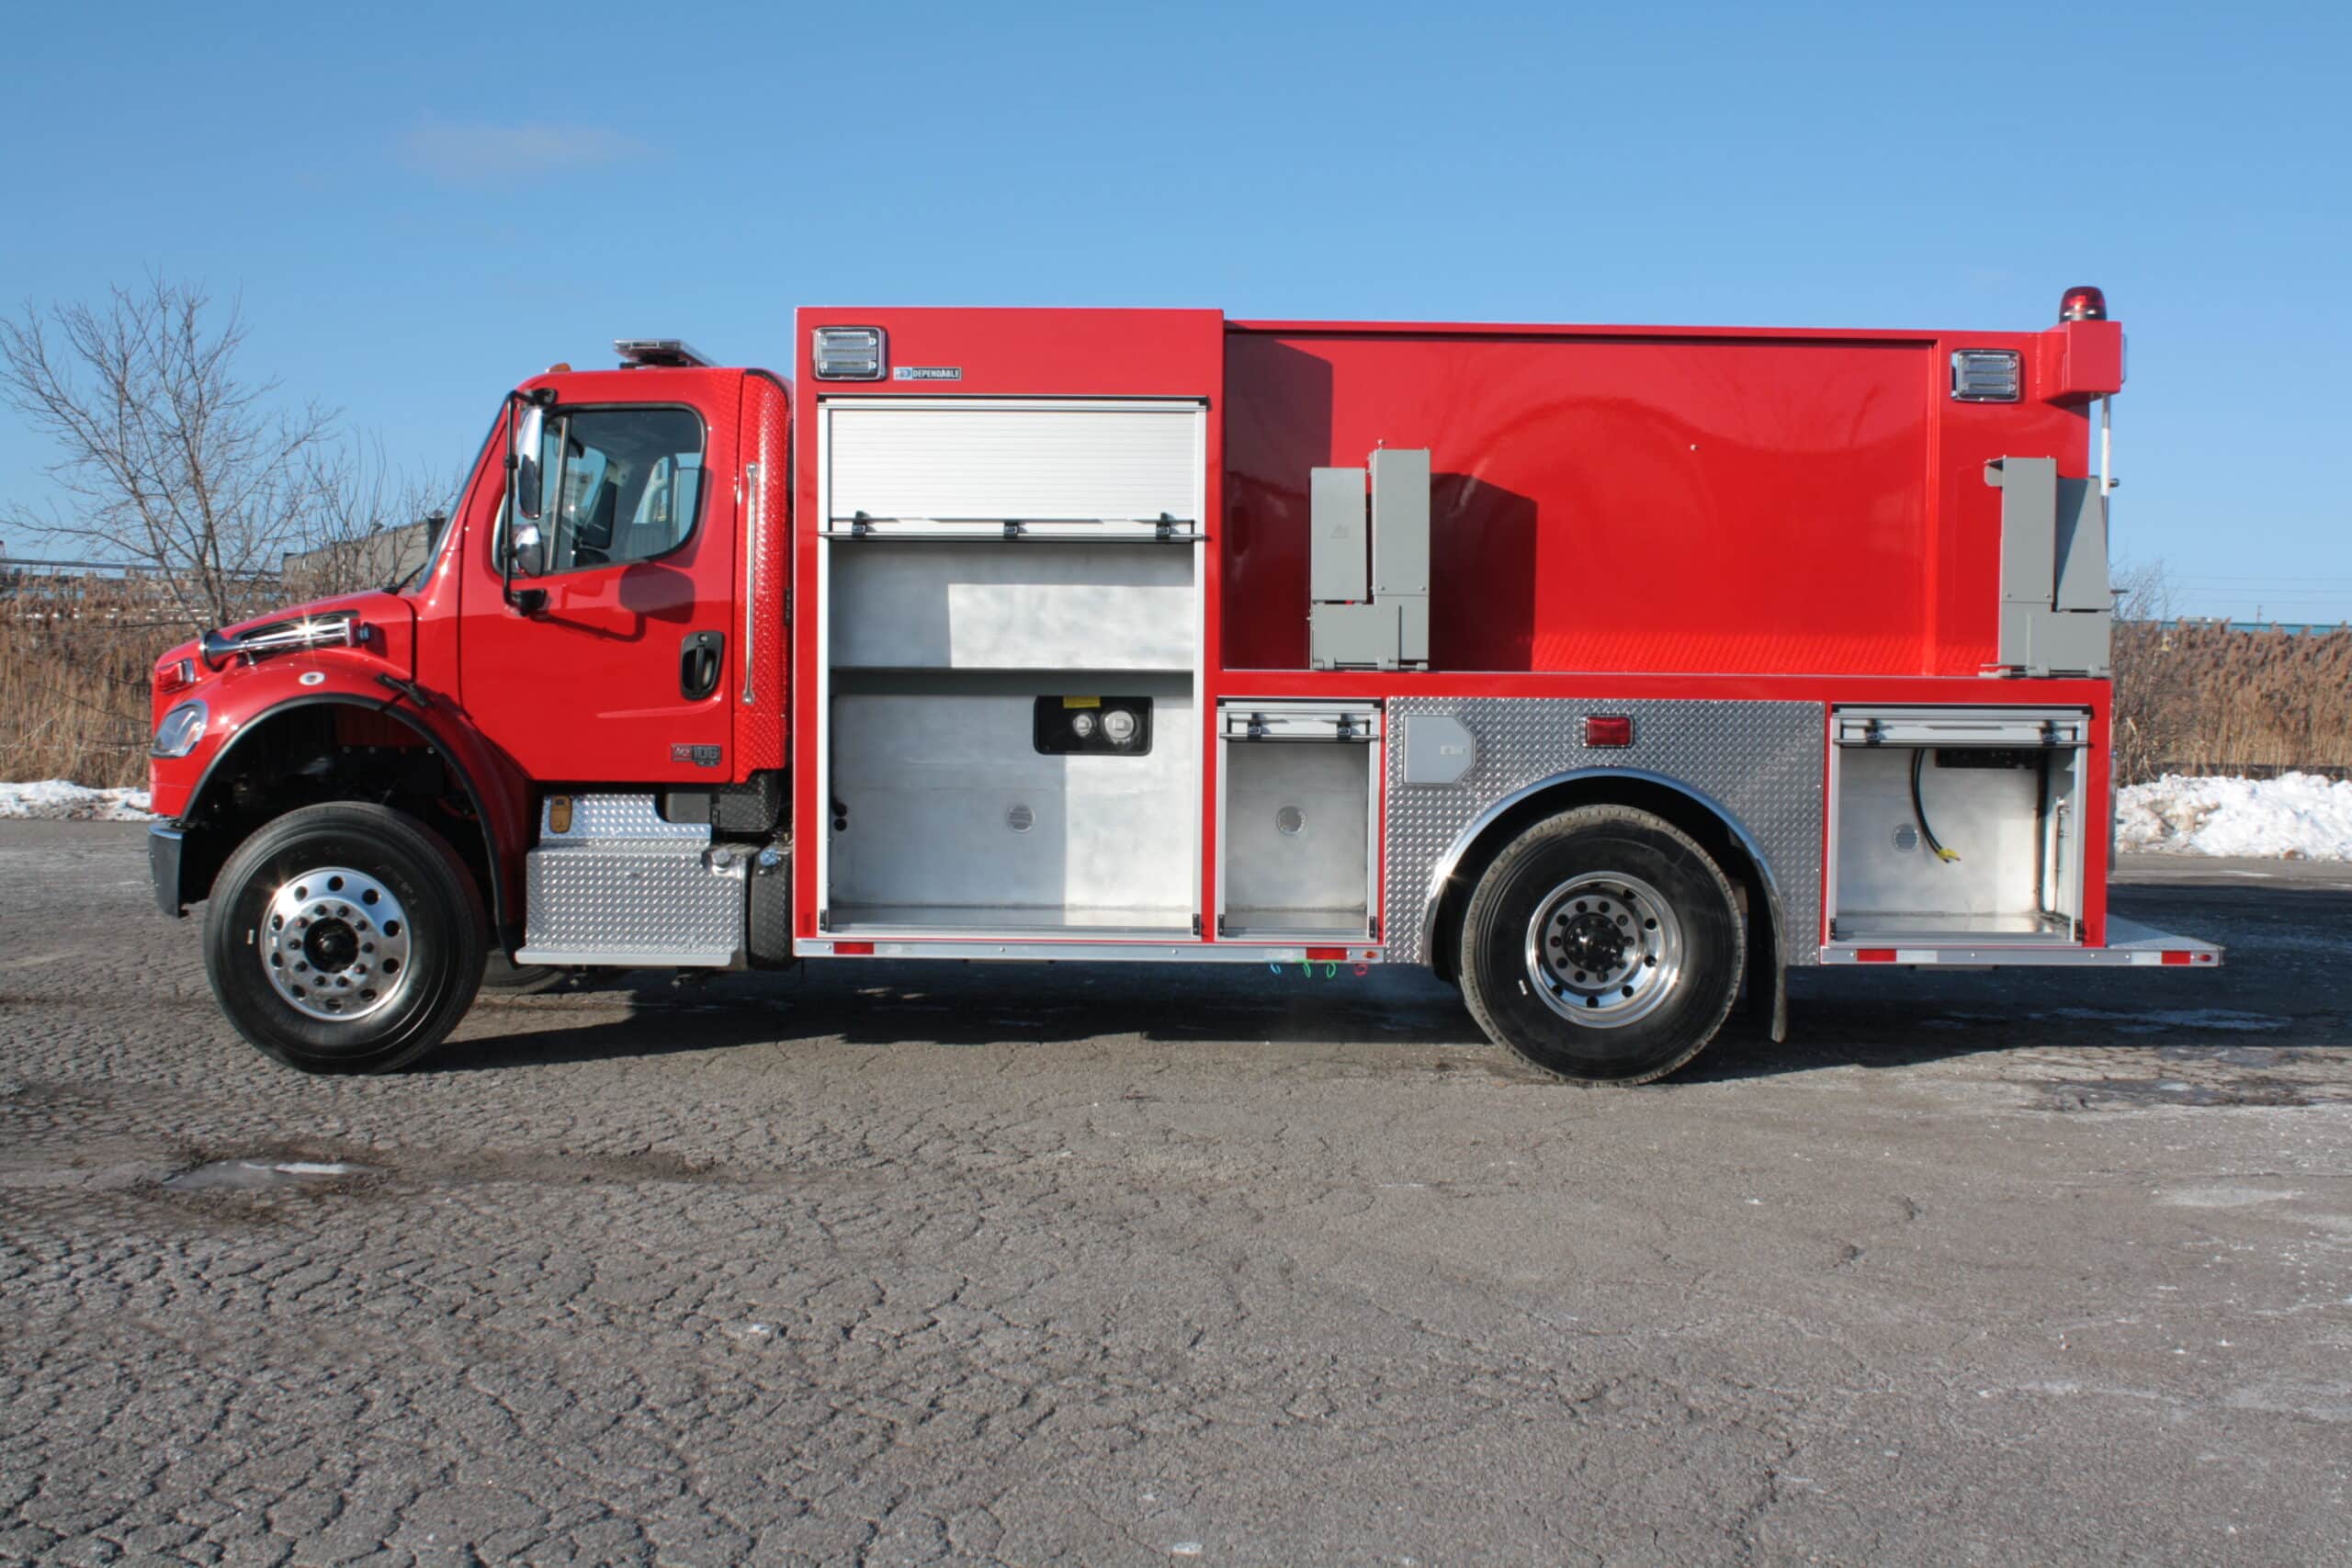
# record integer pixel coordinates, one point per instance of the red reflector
(1875, 955)
(1326, 955)
(852, 950)
(2084, 304)
(2176, 958)
(1608, 729)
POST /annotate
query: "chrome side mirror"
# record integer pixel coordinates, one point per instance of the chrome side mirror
(530, 430)
(530, 551)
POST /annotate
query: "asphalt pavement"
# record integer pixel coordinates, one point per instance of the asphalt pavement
(898, 1264)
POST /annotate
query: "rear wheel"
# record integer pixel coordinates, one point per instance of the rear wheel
(1602, 945)
(345, 938)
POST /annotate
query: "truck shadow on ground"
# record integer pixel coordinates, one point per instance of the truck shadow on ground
(897, 1005)
(2282, 1002)
(1836, 1021)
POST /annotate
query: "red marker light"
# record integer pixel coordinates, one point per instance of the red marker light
(1875, 955)
(2083, 304)
(1608, 729)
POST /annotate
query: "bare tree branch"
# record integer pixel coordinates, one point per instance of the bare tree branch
(170, 459)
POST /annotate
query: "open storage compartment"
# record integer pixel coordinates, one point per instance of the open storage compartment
(1012, 623)
(957, 805)
(1298, 819)
(1956, 825)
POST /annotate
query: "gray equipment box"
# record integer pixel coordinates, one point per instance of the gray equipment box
(1387, 629)
(1338, 556)
(2056, 607)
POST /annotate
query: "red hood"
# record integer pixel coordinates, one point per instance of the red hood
(373, 606)
(388, 624)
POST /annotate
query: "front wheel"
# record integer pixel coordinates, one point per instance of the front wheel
(1603, 945)
(345, 938)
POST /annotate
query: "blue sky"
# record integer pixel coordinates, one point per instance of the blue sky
(420, 205)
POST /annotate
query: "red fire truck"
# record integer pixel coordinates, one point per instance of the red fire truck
(1609, 671)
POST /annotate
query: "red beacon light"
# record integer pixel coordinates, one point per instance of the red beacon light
(2083, 304)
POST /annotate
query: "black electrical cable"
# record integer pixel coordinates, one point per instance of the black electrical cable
(1920, 812)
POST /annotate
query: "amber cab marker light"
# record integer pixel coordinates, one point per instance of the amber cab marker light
(2083, 304)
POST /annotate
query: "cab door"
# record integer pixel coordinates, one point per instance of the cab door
(615, 661)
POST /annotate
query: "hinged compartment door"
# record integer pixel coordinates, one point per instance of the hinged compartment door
(1298, 819)
(1956, 825)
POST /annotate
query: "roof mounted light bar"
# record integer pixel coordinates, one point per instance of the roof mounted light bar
(658, 354)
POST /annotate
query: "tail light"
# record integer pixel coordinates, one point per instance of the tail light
(2083, 304)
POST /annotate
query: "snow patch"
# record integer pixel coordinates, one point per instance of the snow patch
(2294, 817)
(57, 801)
(261, 1175)
(2221, 1197)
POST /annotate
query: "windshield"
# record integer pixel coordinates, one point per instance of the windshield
(436, 524)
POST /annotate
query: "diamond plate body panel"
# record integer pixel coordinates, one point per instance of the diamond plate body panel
(623, 885)
(1759, 761)
(622, 819)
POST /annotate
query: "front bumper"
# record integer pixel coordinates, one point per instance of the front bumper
(164, 844)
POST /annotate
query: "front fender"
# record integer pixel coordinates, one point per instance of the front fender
(246, 702)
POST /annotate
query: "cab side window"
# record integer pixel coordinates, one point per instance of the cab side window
(628, 484)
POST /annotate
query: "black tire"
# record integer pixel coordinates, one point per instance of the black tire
(401, 865)
(1610, 886)
(508, 978)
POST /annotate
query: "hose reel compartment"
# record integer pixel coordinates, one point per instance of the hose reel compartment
(1961, 824)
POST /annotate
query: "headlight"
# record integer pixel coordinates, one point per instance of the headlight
(181, 729)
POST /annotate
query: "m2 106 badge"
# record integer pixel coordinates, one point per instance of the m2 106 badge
(700, 756)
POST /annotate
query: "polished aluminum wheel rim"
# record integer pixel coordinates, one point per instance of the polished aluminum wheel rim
(334, 943)
(1604, 948)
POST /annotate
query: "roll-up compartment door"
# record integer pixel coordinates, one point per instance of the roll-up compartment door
(932, 462)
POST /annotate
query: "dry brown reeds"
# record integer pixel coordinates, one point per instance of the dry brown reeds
(2213, 699)
(75, 658)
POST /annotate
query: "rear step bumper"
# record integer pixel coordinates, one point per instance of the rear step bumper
(2128, 943)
